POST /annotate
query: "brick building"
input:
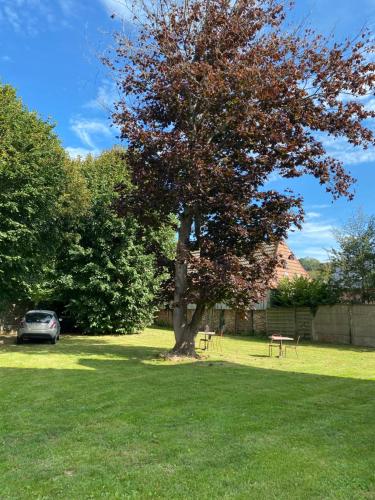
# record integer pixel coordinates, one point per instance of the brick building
(252, 320)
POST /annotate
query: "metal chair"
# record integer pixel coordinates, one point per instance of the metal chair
(206, 340)
(273, 344)
(293, 346)
(218, 340)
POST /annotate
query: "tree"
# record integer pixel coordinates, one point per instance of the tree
(304, 292)
(216, 97)
(316, 268)
(31, 181)
(353, 263)
(109, 281)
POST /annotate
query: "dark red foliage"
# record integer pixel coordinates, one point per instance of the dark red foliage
(216, 97)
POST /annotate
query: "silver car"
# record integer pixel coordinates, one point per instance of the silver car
(39, 324)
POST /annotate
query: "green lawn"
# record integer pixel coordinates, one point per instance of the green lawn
(103, 417)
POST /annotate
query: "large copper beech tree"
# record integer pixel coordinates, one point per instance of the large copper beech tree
(217, 95)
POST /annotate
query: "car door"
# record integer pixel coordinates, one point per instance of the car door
(58, 324)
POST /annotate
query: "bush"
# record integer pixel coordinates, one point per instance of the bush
(301, 291)
(108, 275)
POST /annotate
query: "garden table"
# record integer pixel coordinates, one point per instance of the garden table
(280, 339)
(207, 338)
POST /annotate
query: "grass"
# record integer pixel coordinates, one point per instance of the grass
(103, 417)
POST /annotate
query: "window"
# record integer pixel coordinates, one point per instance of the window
(38, 317)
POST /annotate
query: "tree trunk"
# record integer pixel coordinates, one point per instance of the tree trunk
(185, 342)
(184, 330)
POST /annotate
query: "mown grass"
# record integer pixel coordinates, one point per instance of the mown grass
(103, 417)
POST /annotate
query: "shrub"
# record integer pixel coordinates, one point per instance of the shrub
(301, 291)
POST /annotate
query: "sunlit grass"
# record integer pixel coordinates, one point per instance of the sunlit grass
(105, 417)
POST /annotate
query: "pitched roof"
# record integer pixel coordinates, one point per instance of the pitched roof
(291, 266)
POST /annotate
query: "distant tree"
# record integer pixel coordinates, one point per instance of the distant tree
(353, 262)
(109, 278)
(217, 97)
(315, 267)
(31, 181)
(300, 291)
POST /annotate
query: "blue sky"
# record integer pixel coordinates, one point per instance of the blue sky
(49, 50)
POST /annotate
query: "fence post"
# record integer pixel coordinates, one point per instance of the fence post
(350, 319)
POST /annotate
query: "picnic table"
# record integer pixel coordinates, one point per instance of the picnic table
(280, 339)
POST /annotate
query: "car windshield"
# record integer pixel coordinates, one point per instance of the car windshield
(38, 317)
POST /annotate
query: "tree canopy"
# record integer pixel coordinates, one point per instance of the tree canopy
(31, 180)
(216, 96)
(353, 262)
(315, 267)
(62, 243)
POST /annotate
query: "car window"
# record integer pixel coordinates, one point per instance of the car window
(38, 317)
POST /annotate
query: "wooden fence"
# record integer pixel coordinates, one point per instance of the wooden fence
(338, 324)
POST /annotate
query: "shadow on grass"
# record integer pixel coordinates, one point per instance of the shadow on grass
(259, 355)
(213, 419)
(80, 346)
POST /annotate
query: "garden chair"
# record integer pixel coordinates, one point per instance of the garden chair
(293, 346)
(218, 340)
(273, 344)
(206, 340)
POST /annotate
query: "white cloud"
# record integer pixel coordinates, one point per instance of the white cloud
(129, 11)
(340, 149)
(5, 58)
(105, 98)
(32, 16)
(82, 152)
(315, 238)
(313, 215)
(8, 13)
(118, 7)
(370, 105)
(368, 100)
(319, 207)
(89, 130)
(317, 231)
(315, 252)
(66, 6)
(273, 177)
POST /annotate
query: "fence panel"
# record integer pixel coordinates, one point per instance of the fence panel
(338, 324)
(363, 325)
(281, 320)
(332, 324)
(304, 319)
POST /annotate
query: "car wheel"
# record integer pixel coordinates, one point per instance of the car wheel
(53, 340)
(19, 340)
